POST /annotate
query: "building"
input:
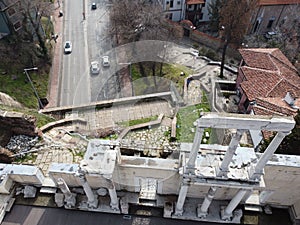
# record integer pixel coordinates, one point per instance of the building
(194, 10)
(12, 19)
(267, 83)
(272, 13)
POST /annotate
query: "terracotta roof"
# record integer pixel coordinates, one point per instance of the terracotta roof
(278, 2)
(269, 76)
(194, 2)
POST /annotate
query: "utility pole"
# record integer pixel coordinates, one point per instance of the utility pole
(41, 106)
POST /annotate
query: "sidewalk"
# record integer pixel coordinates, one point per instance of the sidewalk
(53, 90)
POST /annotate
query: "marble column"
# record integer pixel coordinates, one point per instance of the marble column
(70, 198)
(92, 200)
(195, 149)
(226, 213)
(181, 199)
(223, 170)
(264, 158)
(203, 210)
(114, 203)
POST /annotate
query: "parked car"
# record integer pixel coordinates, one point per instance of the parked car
(105, 61)
(94, 6)
(95, 67)
(270, 35)
(68, 47)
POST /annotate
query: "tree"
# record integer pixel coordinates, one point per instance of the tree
(33, 11)
(133, 21)
(288, 37)
(234, 20)
(214, 11)
(290, 144)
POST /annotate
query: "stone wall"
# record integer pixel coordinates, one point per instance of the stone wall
(14, 123)
(214, 43)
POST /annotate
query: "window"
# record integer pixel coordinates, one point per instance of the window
(11, 11)
(271, 20)
(178, 2)
(17, 25)
(171, 3)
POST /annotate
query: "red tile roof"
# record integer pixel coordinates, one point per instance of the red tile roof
(278, 2)
(269, 75)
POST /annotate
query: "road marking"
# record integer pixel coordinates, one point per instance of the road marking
(34, 216)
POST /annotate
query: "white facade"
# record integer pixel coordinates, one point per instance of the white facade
(176, 10)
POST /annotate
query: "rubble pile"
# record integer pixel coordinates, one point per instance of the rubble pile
(21, 143)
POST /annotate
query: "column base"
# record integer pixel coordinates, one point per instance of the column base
(225, 216)
(201, 214)
(93, 204)
(114, 206)
(178, 212)
(71, 201)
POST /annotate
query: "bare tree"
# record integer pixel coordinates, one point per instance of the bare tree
(33, 11)
(234, 20)
(288, 37)
(137, 20)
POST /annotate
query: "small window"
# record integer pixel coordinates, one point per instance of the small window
(171, 3)
(178, 2)
(271, 21)
(203, 4)
(11, 11)
(17, 25)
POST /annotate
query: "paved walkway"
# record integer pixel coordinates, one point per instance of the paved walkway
(57, 56)
(110, 117)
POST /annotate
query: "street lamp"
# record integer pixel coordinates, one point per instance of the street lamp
(41, 106)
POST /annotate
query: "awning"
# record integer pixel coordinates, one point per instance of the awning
(194, 2)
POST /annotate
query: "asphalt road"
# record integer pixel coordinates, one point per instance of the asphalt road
(28, 215)
(75, 85)
(91, 40)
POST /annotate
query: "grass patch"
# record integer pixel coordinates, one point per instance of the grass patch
(25, 158)
(138, 121)
(170, 72)
(186, 117)
(18, 87)
(41, 119)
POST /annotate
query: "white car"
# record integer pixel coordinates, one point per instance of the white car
(105, 61)
(95, 67)
(68, 47)
(94, 6)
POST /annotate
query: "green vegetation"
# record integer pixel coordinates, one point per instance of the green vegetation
(16, 85)
(186, 117)
(138, 121)
(25, 158)
(41, 119)
(170, 72)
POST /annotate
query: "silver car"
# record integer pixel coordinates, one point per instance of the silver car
(95, 67)
(105, 61)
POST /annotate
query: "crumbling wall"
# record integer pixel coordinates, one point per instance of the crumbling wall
(15, 123)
